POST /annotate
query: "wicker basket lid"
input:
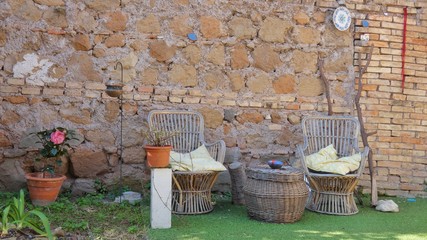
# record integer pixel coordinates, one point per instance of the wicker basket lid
(285, 174)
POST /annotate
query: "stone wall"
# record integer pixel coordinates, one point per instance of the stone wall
(252, 72)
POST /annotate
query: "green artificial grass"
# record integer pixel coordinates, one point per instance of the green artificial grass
(231, 222)
(90, 217)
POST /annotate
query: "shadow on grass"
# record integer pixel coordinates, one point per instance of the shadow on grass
(231, 222)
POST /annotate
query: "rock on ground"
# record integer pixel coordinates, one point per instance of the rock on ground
(387, 206)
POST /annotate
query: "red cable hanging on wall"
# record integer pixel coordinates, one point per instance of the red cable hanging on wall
(405, 16)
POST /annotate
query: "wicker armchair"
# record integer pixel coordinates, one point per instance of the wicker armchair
(191, 191)
(331, 193)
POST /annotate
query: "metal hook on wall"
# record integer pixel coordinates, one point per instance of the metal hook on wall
(121, 70)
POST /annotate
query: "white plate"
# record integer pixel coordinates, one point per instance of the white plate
(342, 18)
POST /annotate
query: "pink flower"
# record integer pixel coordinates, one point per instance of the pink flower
(57, 137)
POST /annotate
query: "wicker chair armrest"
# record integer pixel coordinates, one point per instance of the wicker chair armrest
(216, 149)
(313, 174)
(301, 156)
(356, 147)
(364, 157)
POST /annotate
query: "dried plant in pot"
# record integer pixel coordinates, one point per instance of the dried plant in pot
(158, 148)
(44, 185)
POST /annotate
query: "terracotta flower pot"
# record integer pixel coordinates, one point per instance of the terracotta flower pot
(158, 157)
(43, 190)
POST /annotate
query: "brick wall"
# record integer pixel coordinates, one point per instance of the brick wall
(252, 72)
(397, 115)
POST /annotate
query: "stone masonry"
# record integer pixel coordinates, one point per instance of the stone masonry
(252, 72)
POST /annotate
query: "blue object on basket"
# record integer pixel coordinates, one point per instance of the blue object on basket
(275, 164)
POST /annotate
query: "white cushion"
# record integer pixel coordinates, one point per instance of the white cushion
(326, 160)
(197, 160)
(329, 152)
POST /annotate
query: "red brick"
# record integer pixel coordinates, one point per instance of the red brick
(411, 187)
(390, 151)
(145, 89)
(380, 18)
(292, 106)
(392, 25)
(53, 91)
(390, 38)
(31, 90)
(412, 140)
(9, 89)
(379, 31)
(381, 44)
(16, 99)
(389, 139)
(391, 164)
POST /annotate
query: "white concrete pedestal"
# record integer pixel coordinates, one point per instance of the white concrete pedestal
(161, 198)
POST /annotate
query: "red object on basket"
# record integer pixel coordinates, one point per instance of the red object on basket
(405, 16)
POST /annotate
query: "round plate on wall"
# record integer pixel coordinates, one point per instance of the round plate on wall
(342, 18)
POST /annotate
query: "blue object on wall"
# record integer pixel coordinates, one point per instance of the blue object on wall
(192, 36)
(365, 23)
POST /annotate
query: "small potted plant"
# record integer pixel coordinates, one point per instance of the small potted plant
(158, 148)
(44, 185)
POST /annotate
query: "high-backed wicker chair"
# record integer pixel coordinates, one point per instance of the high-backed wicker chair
(331, 193)
(191, 191)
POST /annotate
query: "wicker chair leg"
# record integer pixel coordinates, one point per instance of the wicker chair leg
(177, 199)
(332, 195)
(191, 193)
(336, 204)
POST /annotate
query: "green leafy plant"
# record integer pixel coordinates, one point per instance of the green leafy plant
(158, 138)
(54, 144)
(100, 187)
(22, 218)
(132, 229)
(5, 224)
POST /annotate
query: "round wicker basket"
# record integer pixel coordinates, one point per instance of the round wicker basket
(275, 195)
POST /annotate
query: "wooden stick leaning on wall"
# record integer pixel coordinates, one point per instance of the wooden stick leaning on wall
(327, 88)
(363, 133)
